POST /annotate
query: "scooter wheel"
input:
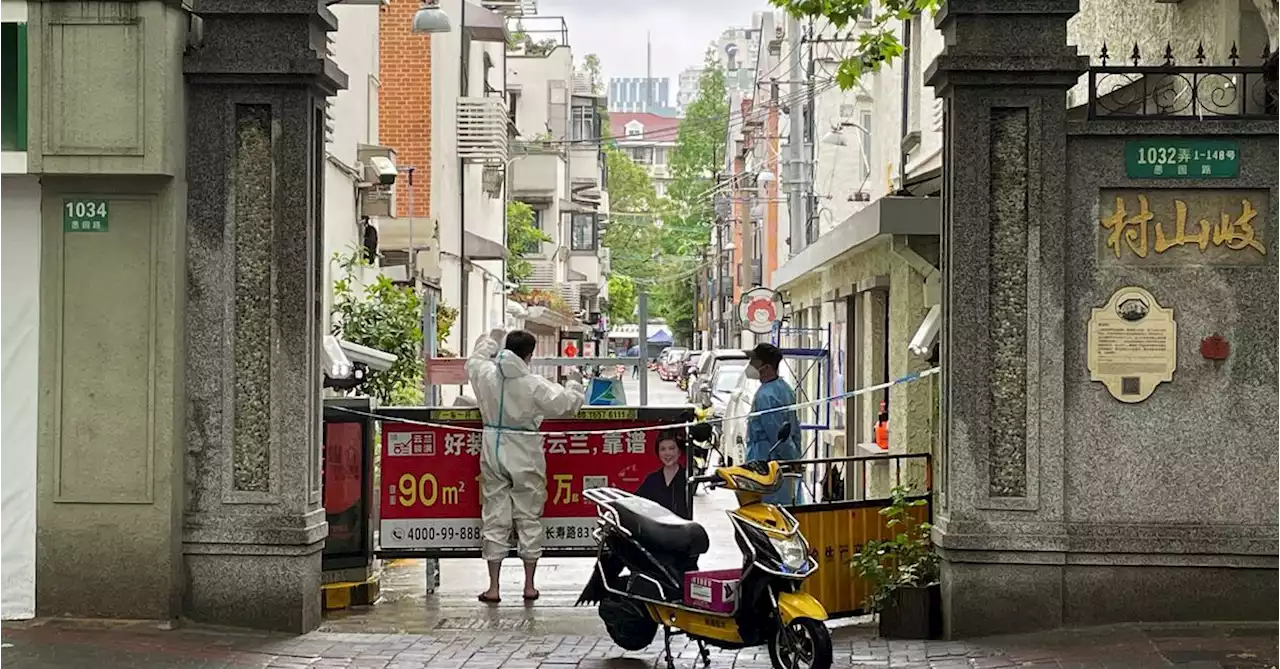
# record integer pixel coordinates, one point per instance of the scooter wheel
(804, 644)
(629, 624)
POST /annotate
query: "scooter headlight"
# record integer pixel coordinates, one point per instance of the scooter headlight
(792, 550)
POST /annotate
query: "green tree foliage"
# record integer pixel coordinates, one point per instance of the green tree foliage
(689, 212)
(383, 316)
(622, 299)
(591, 69)
(631, 234)
(873, 45)
(523, 237)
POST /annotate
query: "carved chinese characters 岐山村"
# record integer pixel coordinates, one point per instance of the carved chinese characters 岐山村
(1183, 227)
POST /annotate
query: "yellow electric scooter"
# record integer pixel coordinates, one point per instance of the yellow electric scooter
(646, 574)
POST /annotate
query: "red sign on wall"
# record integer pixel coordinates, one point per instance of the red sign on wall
(430, 490)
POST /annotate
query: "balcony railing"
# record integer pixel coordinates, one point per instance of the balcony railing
(482, 130)
(511, 7)
(1177, 91)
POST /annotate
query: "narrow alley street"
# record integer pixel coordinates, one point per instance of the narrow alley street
(406, 608)
(409, 629)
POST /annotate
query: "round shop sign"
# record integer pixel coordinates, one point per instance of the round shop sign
(759, 309)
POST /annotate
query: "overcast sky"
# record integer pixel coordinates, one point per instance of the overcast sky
(615, 31)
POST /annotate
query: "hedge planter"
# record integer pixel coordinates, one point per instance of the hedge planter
(912, 613)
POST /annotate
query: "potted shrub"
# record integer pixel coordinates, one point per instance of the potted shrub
(903, 573)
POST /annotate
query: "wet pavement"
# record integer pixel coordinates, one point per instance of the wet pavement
(409, 629)
(406, 608)
(110, 645)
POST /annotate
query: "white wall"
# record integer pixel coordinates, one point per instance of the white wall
(925, 112)
(445, 176)
(458, 198)
(531, 75)
(20, 342)
(355, 122)
(839, 171)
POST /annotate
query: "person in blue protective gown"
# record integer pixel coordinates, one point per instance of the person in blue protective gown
(762, 429)
(513, 467)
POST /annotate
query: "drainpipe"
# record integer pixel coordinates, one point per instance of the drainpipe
(464, 53)
(932, 276)
(906, 108)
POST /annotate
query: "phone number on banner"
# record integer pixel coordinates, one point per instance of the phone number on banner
(465, 533)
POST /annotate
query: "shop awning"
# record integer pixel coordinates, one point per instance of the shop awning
(483, 25)
(885, 217)
(926, 336)
(475, 247)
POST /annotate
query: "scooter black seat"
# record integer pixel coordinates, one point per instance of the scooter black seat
(660, 530)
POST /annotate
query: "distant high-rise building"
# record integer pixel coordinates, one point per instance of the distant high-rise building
(640, 94)
(687, 88)
(738, 51)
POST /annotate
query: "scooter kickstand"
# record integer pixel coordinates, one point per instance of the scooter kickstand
(704, 652)
(666, 646)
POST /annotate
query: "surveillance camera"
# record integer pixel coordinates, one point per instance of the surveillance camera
(385, 169)
(375, 360)
(334, 361)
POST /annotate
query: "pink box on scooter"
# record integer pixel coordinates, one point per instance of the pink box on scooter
(715, 591)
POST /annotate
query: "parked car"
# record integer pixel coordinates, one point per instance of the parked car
(707, 365)
(669, 367)
(733, 430)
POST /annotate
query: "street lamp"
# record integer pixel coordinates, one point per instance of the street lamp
(836, 138)
(430, 18)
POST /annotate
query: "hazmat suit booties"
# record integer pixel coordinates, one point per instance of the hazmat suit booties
(513, 467)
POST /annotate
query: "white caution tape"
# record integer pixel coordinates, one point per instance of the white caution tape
(915, 376)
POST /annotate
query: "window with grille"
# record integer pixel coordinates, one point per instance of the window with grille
(582, 232)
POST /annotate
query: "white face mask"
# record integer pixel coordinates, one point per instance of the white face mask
(751, 372)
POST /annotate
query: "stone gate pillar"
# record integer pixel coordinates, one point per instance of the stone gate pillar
(1003, 75)
(254, 525)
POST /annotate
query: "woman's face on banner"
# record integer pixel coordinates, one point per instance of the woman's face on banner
(668, 452)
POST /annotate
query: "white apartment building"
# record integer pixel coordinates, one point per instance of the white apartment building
(21, 330)
(649, 140)
(469, 140)
(738, 50)
(557, 167)
(351, 180)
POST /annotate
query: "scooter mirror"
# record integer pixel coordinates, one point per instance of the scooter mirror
(701, 432)
(784, 432)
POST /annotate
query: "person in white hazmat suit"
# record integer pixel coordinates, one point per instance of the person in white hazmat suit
(513, 467)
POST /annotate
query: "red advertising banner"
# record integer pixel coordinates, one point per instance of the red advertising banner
(430, 490)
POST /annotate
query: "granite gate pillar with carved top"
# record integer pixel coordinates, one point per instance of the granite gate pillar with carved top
(1059, 503)
(254, 525)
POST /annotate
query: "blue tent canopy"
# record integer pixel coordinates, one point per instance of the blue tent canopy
(660, 337)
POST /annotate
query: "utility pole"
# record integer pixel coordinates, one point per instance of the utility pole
(720, 338)
(795, 143)
(809, 156)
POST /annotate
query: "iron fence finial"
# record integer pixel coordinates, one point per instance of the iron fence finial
(1168, 54)
(1104, 56)
(1200, 57)
(1234, 55)
(1135, 56)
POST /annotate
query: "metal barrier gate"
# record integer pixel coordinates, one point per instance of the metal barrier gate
(838, 529)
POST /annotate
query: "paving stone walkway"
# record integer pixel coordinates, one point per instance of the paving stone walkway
(66, 644)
